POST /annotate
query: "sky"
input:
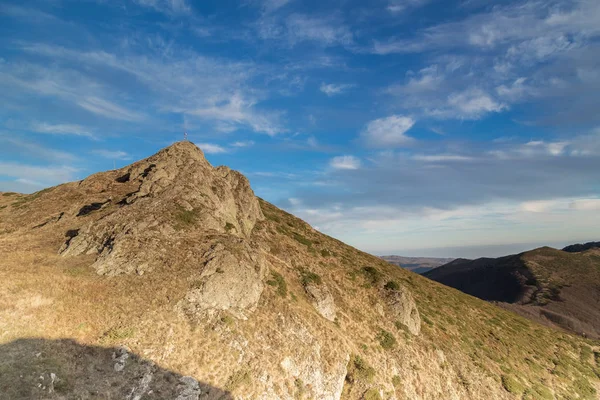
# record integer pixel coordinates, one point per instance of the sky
(414, 127)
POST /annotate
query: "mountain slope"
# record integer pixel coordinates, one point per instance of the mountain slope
(417, 265)
(198, 289)
(554, 287)
(576, 248)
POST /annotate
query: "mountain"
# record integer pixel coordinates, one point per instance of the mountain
(170, 279)
(576, 248)
(417, 265)
(554, 287)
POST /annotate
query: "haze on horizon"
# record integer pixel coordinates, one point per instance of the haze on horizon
(417, 128)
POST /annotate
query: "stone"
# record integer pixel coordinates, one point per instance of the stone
(322, 300)
(404, 309)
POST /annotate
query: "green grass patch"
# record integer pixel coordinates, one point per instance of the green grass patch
(301, 239)
(512, 385)
(386, 339)
(392, 285)
(279, 282)
(372, 394)
(238, 379)
(229, 226)
(185, 218)
(310, 278)
(372, 275)
(359, 370)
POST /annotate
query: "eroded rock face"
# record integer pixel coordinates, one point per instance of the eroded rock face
(179, 194)
(320, 377)
(404, 309)
(230, 281)
(322, 300)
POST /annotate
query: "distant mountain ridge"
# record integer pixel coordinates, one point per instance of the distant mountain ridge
(555, 287)
(418, 265)
(576, 248)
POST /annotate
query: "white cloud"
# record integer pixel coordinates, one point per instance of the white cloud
(585, 204)
(108, 109)
(333, 89)
(61, 129)
(472, 104)
(210, 148)
(345, 162)
(171, 7)
(237, 111)
(243, 143)
(515, 91)
(273, 5)
(42, 175)
(297, 28)
(14, 145)
(112, 154)
(388, 131)
(441, 157)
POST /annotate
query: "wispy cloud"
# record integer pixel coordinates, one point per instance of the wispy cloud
(345, 162)
(332, 89)
(297, 28)
(112, 154)
(211, 148)
(243, 143)
(61, 129)
(169, 7)
(12, 146)
(236, 112)
(37, 175)
(388, 131)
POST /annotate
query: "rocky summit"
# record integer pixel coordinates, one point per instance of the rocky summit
(170, 279)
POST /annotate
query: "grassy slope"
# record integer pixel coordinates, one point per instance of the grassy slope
(481, 350)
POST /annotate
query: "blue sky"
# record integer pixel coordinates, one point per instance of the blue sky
(415, 127)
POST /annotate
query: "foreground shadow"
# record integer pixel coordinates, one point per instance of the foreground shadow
(65, 369)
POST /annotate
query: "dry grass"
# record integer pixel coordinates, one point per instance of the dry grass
(466, 346)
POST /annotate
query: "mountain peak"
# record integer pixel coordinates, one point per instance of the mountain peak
(133, 217)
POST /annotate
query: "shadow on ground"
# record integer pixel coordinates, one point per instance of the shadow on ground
(65, 369)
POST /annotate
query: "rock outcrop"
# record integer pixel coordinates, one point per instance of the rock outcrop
(231, 281)
(175, 192)
(404, 309)
(322, 300)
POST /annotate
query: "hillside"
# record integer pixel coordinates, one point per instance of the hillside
(554, 287)
(417, 265)
(576, 248)
(170, 279)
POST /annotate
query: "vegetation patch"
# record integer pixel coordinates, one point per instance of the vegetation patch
(359, 370)
(584, 389)
(325, 253)
(372, 275)
(310, 278)
(392, 285)
(301, 239)
(229, 226)
(238, 379)
(538, 392)
(279, 282)
(386, 339)
(117, 333)
(185, 218)
(512, 385)
(372, 394)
